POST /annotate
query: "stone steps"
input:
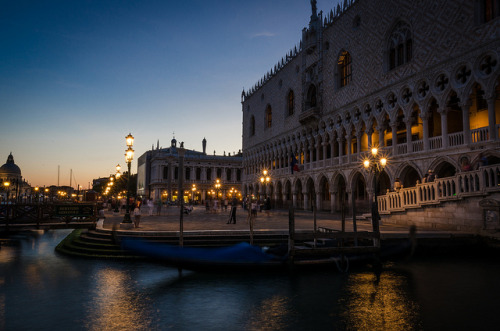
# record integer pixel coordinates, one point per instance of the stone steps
(105, 244)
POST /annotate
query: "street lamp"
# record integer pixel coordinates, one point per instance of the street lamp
(375, 163)
(129, 156)
(7, 188)
(193, 189)
(265, 179)
(118, 174)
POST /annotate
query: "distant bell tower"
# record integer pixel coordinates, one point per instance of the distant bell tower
(204, 144)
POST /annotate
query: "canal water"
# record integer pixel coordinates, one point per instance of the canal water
(42, 290)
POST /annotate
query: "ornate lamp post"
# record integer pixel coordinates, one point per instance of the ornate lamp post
(129, 156)
(181, 153)
(217, 186)
(265, 179)
(375, 163)
(36, 194)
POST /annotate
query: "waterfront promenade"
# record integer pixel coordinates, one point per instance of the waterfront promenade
(201, 221)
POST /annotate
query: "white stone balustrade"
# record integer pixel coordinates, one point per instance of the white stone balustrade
(464, 184)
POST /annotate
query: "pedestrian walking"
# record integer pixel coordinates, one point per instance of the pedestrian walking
(158, 207)
(151, 206)
(254, 206)
(137, 216)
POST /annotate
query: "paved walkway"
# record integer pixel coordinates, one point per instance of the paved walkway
(276, 220)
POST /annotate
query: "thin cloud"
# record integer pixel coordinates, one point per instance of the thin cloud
(262, 34)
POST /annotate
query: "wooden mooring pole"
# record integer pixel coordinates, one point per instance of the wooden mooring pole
(291, 234)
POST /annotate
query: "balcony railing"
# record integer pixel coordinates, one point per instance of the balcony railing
(479, 135)
(472, 183)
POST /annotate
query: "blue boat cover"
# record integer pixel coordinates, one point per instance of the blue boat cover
(239, 253)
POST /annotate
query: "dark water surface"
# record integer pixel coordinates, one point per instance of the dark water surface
(42, 290)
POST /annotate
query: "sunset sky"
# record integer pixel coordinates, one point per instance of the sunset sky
(77, 76)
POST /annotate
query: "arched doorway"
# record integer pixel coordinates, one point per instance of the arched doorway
(445, 169)
(300, 196)
(360, 196)
(409, 177)
(325, 193)
(341, 194)
(279, 195)
(311, 195)
(383, 183)
(288, 194)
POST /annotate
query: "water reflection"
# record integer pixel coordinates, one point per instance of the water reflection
(272, 314)
(379, 302)
(115, 305)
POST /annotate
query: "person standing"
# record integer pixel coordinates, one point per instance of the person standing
(232, 213)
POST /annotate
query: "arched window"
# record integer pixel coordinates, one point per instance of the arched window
(311, 97)
(400, 46)
(269, 116)
(290, 103)
(252, 126)
(345, 68)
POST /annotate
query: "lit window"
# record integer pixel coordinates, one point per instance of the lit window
(269, 116)
(345, 68)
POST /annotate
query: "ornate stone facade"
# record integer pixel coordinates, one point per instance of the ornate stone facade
(158, 173)
(418, 79)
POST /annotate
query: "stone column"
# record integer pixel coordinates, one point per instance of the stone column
(340, 144)
(294, 199)
(358, 142)
(333, 199)
(306, 200)
(348, 139)
(380, 137)
(425, 128)
(408, 137)
(319, 201)
(466, 121)
(444, 127)
(325, 152)
(332, 147)
(369, 134)
(394, 128)
(492, 127)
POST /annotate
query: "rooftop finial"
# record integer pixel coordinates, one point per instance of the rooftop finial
(314, 9)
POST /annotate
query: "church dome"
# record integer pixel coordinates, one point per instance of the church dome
(10, 168)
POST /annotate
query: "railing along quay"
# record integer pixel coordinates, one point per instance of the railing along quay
(46, 215)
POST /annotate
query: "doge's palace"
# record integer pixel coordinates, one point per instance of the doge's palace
(419, 80)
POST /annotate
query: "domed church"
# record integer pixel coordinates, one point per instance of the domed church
(11, 173)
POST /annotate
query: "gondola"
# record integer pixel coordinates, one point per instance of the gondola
(246, 257)
(239, 257)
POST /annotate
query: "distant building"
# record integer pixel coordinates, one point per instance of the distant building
(158, 173)
(420, 80)
(11, 173)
